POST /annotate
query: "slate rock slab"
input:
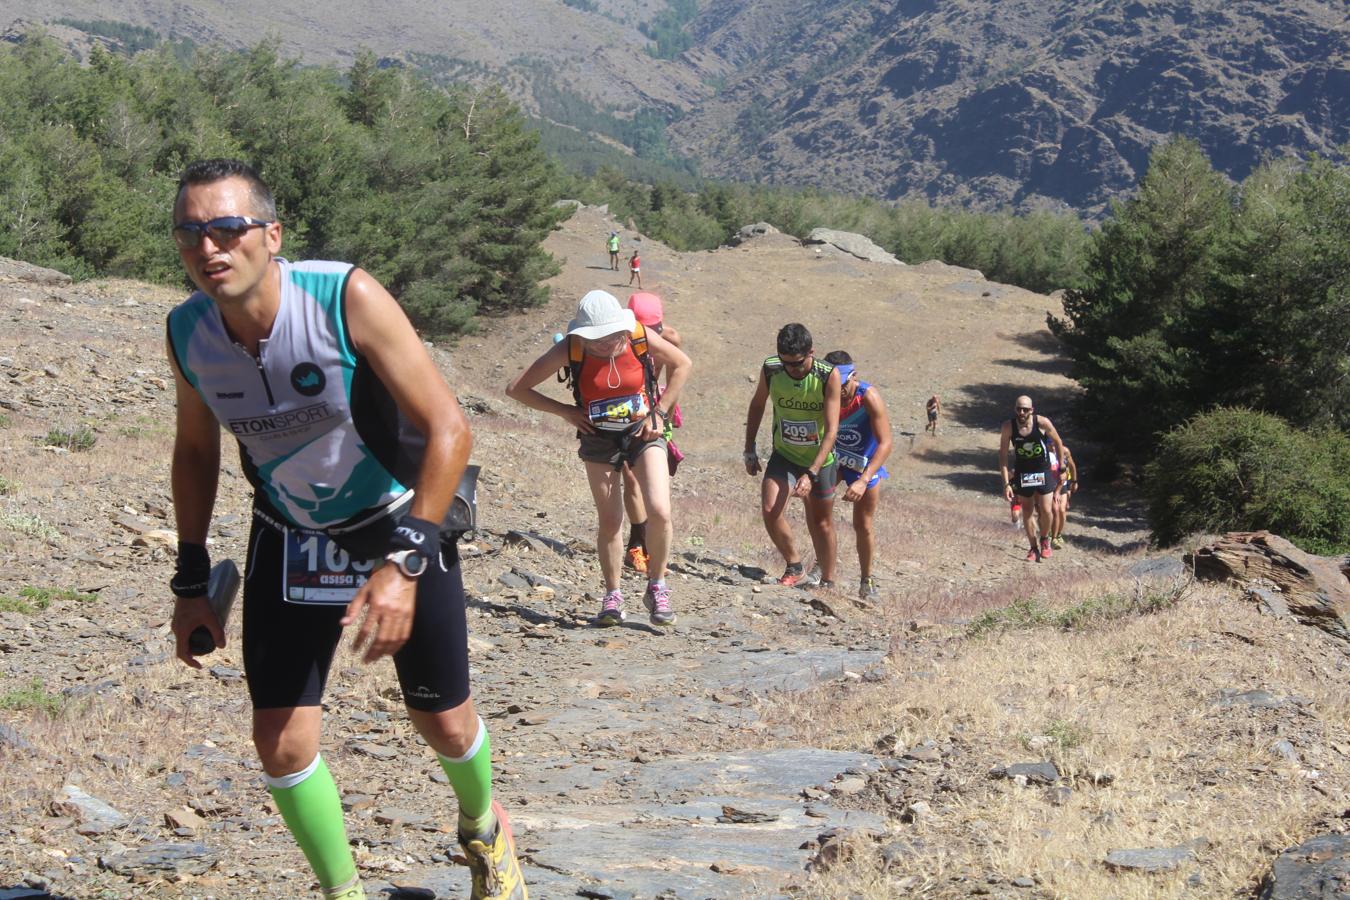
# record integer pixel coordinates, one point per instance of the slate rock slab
(1034, 773)
(1162, 568)
(11, 739)
(1150, 859)
(161, 861)
(93, 815)
(1318, 869)
(1229, 699)
(741, 812)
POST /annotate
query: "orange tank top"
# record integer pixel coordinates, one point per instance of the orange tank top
(614, 391)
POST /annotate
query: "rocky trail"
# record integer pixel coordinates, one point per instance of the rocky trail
(747, 752)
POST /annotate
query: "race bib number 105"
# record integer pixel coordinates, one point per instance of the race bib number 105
(318, 571)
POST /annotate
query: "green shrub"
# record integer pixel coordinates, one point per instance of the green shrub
(1031, 612)
(1240, 470)
(33, 695)
(73, 439)
(35, 599)
(31, 525)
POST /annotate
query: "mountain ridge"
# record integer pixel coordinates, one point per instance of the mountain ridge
(988, 105)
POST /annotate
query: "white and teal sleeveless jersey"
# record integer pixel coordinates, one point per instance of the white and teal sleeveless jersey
(320, 437)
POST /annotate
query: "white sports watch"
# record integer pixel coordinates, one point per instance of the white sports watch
(411, 563)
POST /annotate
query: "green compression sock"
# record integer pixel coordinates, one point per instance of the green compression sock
(309, 803)
(471, 777)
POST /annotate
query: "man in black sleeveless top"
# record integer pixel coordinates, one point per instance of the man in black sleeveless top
(1032, 477)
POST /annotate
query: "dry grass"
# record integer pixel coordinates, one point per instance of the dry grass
(1135, 699)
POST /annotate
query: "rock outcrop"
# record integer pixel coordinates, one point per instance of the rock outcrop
(857, 245)
(1314, 588)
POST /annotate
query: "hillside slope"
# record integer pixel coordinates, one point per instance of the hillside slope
(770, 728)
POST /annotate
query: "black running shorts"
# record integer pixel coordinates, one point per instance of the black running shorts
(1048, 488)
(780, 468)
(289, 647)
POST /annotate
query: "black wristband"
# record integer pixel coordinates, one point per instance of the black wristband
(413, 533)
(192, 570)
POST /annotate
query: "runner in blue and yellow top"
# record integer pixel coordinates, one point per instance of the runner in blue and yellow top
(805, 396)
(863, 445)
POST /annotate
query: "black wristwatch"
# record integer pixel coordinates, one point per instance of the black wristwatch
(412, 563)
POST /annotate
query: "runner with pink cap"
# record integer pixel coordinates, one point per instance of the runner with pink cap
(648, 309)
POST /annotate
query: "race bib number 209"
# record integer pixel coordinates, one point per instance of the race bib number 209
(804, 434)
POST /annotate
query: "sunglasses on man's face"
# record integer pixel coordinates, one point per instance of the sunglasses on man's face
(1024, 409)
(798, 364)
(224, 230)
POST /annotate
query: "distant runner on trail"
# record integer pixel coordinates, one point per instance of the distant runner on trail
(635, 270)
(804, 392)
(863, 445)
(1068, 484)
(612, 361)
(1032, 439)
(648, 310)
(934, 409)
(613, 245)
(354, 445)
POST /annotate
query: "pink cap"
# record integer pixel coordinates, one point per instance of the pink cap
(647, 307)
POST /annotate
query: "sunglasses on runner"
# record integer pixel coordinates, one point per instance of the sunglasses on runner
(1024, 409)
(798, 364)
(224, 230)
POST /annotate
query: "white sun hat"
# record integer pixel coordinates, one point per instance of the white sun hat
(599, 314)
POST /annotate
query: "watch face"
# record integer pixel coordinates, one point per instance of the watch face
(411, 563)
(415, 563)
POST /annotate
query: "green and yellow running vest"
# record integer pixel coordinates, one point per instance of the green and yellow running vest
(798, 410)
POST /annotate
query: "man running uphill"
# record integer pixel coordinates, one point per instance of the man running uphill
(1031, 438)
(352, 441)
(863, 445)
(805, 396)
(612, 361)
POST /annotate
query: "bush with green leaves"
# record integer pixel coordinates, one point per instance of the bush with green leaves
(1240, 470)
(1200, 293)
(443, 194)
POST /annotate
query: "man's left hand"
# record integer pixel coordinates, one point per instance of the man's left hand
(803, 487)
(389, 598)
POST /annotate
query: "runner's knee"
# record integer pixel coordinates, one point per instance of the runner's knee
(453, 729)
(282, 747)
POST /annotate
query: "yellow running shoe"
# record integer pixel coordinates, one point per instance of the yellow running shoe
(496, 873)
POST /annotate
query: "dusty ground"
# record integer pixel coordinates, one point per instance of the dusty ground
(617, 748)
